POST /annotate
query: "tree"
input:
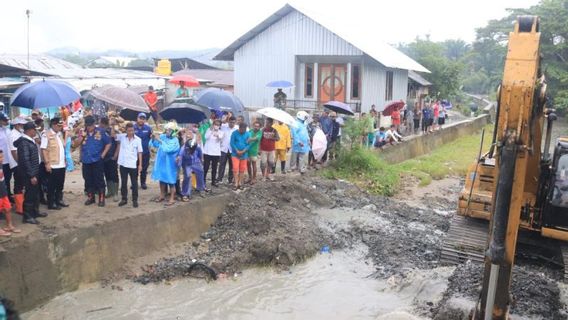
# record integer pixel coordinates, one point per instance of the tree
(445, 72)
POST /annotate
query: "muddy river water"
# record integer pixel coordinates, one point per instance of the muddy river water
(329, 286)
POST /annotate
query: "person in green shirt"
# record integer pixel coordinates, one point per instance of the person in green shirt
(254, 141)
(182, 91)
(368, 123)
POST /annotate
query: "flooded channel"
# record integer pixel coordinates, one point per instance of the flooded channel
(332, 285)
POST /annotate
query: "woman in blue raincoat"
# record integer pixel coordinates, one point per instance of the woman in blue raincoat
(300, 142)
(165, 166)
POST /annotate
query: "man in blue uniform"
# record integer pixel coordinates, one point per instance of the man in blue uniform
(95, 144)
(144, 132)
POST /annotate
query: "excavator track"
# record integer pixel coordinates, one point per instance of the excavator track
(466, 240)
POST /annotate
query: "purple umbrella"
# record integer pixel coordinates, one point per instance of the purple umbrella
(339, 107)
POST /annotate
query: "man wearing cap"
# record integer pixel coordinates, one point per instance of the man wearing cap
(15, 134)
(36, 114)
(28, 172)
(95, 144)
(144, 132)
(5, 143)
(53, 151)
(151, 99)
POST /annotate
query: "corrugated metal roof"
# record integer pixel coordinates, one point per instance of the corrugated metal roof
(416, 77)
(381, 52)
(38, 62)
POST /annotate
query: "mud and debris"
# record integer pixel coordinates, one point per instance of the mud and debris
(271, 224)
(285, 222)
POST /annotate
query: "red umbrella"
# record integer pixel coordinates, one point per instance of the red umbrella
(187, 80)
(395, 105)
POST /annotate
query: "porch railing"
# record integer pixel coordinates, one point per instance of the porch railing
(316, 105)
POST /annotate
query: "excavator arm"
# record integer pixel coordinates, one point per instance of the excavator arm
(516, 146)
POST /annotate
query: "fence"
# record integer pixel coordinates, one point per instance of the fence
(315, 105)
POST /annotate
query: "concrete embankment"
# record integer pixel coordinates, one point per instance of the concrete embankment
(419, 145)
(41, 265)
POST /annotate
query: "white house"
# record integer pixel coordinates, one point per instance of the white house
(324, 63)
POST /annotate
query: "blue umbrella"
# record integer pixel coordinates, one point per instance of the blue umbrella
(218, 99)
(339, 107)
(280, 84)
(185, 113)
(44, 94)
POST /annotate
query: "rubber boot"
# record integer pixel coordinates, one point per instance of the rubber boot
(102, 198)
(109, 193)
(19, 203)
(59, 200)
(283, 167)
(90, 199)
(115, 192)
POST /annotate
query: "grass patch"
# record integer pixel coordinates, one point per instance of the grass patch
(366, 169)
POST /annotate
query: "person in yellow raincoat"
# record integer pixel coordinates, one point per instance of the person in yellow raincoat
(282, 146)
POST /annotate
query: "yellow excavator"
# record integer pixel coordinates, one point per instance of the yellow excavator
(517, 191)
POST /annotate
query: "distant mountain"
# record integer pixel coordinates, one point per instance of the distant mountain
(201, 55)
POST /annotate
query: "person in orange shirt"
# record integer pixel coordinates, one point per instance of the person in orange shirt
(395, 118)
(151, 99)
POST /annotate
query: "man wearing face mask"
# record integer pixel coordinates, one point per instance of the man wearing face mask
(228, 129)
(212, 150)
(300, 143)
(15, 134)
(165, 167)
(5, 141)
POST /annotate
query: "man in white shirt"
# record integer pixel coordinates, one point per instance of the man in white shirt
(53, 151)
(129, 151)
(15, 134)
(227, 129)
(212, 151)
(5, 146)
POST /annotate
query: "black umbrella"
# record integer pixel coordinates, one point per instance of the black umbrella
(132, 115)
(183, 112)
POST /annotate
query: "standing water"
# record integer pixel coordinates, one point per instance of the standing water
(329, 286)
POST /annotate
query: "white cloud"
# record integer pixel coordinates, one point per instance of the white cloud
(187, 25)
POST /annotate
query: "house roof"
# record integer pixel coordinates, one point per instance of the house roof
(381, 52)
(416, 77)
(38, 63)
(44, 65)
(9, 71)
(216, 76)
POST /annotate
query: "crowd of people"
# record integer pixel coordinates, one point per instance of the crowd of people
(115, 157)
(404, 122)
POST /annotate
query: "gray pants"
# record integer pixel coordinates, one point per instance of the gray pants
(298, 161)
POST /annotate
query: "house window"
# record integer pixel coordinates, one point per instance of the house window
(309, 81)
(356, 82)
(388, 87)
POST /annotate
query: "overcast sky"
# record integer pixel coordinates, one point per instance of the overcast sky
(188, 25)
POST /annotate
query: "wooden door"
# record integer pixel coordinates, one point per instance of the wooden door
(332, 82)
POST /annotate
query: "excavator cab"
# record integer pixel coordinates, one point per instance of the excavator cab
(556, 208)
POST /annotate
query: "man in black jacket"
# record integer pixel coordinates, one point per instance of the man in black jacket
(28, 169)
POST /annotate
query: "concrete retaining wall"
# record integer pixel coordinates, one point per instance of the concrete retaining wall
(423, 144)
(34, 271)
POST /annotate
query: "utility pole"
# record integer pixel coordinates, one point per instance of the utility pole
(28, 13)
